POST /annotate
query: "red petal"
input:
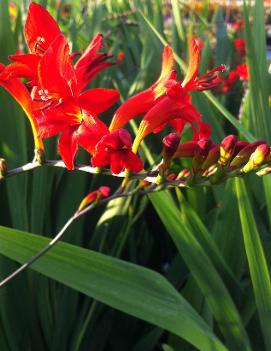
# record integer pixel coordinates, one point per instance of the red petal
(39, 24)
(167, 64)
(86, 73)
(90, 134)
(20, 93)
(193, 65)
(47, 129)
(166, 110)
(55, 72)
(97, 100)
(117, 162)
(133, 162)
(101, 159)
(67, 146)
(125, 138)
(91, 62)
(135, 106)
(25, 66)
(91, 51)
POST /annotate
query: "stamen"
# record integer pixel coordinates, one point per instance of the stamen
(39, 47)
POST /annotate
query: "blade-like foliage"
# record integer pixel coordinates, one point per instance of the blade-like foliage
(132, 289)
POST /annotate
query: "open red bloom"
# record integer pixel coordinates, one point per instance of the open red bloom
(142, 102)
(115, 150)
(62, 107)
(40, 32)
(167, 100)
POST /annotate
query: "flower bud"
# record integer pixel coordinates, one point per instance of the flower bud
(227, 147)
(3, 168)
(171, 177)
(212, 157)
(184, 173)
(94, 196)
(170, 144)
(257, 158)
(243, 155)
(186, 149)
(201, 152)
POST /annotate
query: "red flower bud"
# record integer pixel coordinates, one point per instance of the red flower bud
(170, 144)
(227, 147)
(186, 149)
(201, 151)
(96, 195)
(212, 157)
(257, 158)
(243, 156)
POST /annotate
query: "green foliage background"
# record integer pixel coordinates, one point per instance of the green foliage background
(180, 270)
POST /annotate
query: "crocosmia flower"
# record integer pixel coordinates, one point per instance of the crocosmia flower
(142, 102)
(167, 100)
(63, 107)
(40, 32)
(115, 150)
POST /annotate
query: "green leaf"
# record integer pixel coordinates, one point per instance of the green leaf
(255, 36)
(256, 260)
(132, 289)
(202, 269)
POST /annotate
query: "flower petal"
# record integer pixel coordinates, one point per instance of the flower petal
(91, 51)
(20, 93)
(55, 70)
(91, 62)
(193, 65)
(133, 162)
(117, 162)
(25, 66)
(89, 134)
(97, 100)
(67, 146)
(40, 29)
(167, 64)
(135, 106)
(166, 110)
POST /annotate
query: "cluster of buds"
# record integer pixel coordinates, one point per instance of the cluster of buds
(215, 162)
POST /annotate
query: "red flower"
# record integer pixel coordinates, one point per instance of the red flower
(240, 45)
(242, 71)
(142, 102)
(64, 108)
(40, 32)
(115, 150)
(166, 101)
